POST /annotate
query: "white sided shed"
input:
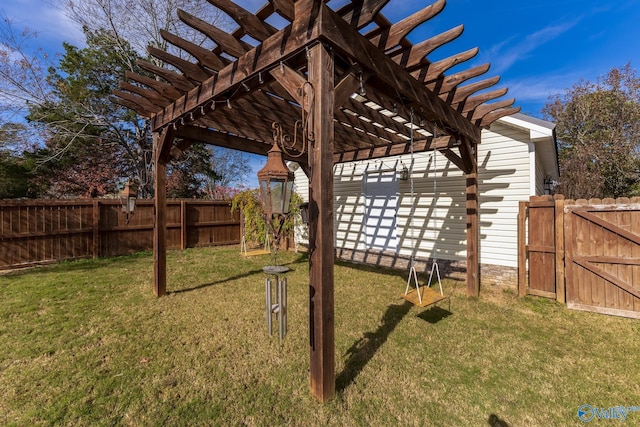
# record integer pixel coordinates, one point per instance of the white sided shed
(379, 222)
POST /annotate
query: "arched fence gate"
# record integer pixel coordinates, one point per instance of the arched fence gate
(585, 253)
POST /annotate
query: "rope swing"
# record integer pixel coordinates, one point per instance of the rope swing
(425, 296)
(413, 275)
(434, 252)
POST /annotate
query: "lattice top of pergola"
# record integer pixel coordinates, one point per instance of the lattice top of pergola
(386, 88)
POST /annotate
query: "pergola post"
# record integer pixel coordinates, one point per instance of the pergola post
(473, 216)
(321, 250)
(161, 144)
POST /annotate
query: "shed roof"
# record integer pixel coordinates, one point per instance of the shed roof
(543, 134)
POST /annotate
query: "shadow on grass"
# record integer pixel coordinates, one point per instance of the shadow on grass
(217, 282)
(300, 259)
(71, 265)
(371, 268)
(434, 314)
(363, 350)
(495, 421)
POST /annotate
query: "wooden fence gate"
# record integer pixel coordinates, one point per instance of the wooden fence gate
(584, 253)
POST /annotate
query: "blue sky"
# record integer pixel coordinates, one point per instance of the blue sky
(538, 48)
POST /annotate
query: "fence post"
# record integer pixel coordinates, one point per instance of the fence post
(96, 228)
(183, 224)
(522, 248)
(559, 228)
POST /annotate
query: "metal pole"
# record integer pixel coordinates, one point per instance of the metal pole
(280, 310)
(285, 308)
(268, 301)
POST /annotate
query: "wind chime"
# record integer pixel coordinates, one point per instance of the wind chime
(276, 187)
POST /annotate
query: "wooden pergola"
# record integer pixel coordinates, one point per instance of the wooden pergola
(365, 90)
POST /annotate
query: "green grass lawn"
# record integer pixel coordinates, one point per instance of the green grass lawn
(87, 343)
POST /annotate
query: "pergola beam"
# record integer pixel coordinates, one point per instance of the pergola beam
(271, 52)
(321, 218)
(351, 43)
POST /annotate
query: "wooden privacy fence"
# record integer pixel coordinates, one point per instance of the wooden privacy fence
(43, 231)
(585, 253)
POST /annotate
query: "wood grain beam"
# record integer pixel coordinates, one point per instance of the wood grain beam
(281, 45)
(485, 109)
(137, 99)
(394, 150)
(205, 57)
(415, 56)
(164, 143)
(222, 139)
(463, 92)
(132, 105)
(352, 44)
(345, 89)
(149, 94)
(436, 70)
(495, 115)
(377, 117)
(270, 106)
(473, 102)
(249, 23)
(454, 158)
(163, 88)
(387, 38)
(356, 123)
(176, 80)
(321, 232)
(468, 152)
(284, 8)
(448, 83)
(226, 42)
(294, 83)
(190, 70)
(473, 232)
(360, 13)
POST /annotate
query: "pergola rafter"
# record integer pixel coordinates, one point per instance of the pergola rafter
(368, 93)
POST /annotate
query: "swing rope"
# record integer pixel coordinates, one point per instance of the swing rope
(412, 270)
(413, 276)
(434, 253)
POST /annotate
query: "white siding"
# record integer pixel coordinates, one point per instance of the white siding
(504, 172)
(504, 180)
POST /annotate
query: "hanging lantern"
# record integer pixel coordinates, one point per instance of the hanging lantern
(128, 197)
(276, 183)
(404, 173)
(549, 185)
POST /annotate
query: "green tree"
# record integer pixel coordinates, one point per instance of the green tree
(598, 130)
(90, 143)
(76, 141)
(15, 172)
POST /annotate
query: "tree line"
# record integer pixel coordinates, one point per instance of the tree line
(598, 132)
(60, 134)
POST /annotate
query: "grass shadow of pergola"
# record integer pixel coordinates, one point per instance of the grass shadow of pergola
(363, 350)
(301, 259)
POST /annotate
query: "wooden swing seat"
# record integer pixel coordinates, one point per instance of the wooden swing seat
(255, 252)
(428, 295)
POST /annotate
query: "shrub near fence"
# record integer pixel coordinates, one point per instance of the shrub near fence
(44, 231)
